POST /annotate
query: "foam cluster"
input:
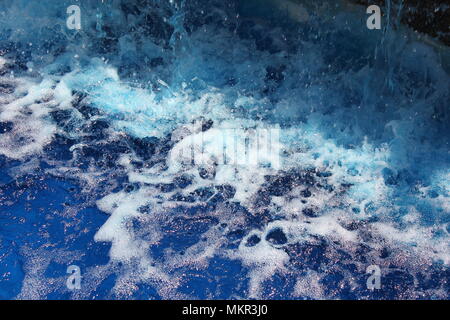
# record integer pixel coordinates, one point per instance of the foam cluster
(303, 151)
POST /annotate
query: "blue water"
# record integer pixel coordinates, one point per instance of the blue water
(95, 125)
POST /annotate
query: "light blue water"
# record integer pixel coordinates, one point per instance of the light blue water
(92, 123)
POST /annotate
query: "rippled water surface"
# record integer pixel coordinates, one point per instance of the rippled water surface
(102, 130)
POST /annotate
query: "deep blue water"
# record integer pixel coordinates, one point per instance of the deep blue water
(100, 129)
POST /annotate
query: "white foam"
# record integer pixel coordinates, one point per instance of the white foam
(321, 131)
(308, 286)
(32, 129)
(263, 260)
(3, 62)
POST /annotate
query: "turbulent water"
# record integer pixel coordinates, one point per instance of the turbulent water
(98, 126)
